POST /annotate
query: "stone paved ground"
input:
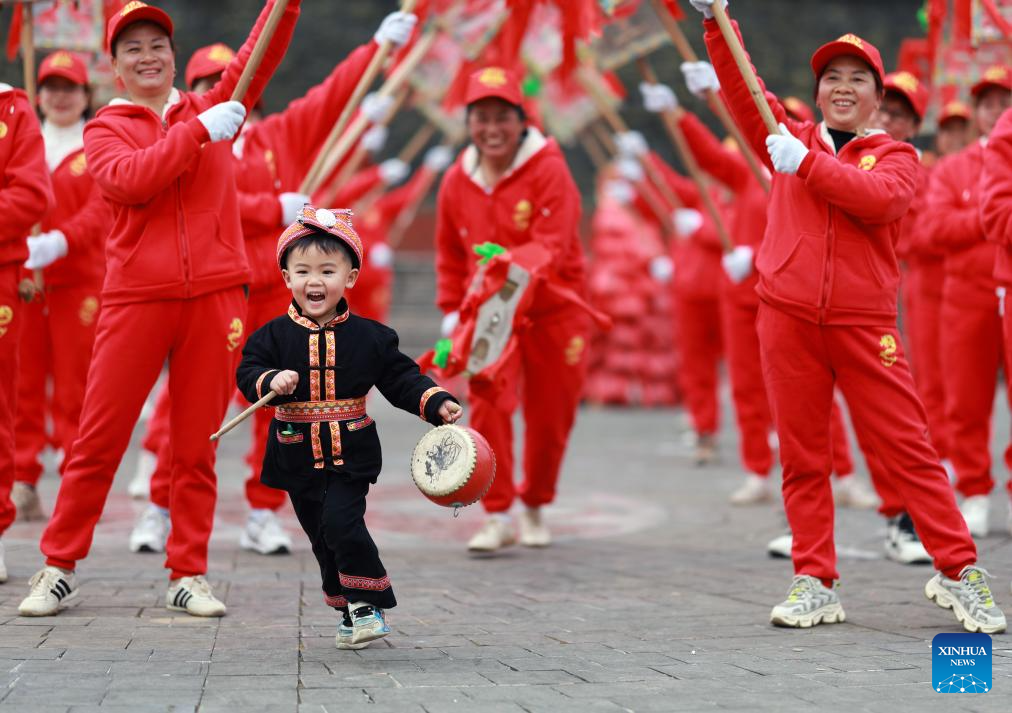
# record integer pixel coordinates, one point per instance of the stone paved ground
(655, 598)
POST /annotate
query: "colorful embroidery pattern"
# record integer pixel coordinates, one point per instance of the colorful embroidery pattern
(425, 399)
(290, 438)
(314, 440)
(334, 600)
(359, 425)
(260, 382)
(373, 585)
(317, 411)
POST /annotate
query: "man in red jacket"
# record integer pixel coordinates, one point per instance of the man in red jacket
(971, 337)
(511, 186)
(25, 196)
(176, 273)
(828, 280)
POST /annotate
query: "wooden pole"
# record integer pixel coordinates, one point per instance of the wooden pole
(745, 67)
(353, 164)
(417, 143)
(593, 150)
(243, 416)
(259, 50)
(29, 288)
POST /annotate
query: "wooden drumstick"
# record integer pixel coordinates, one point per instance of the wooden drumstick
(243, 416)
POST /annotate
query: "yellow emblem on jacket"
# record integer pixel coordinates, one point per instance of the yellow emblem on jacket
(88, 310)
(574, 350)
(6, 317)
(3, 129)
(522, 212)
(889, 349)
(235, 334)
(79, 165)
(867, 163)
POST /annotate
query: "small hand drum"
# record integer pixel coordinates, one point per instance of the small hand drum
(453, 466)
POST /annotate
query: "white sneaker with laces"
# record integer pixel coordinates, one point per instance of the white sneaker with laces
(51, 590)
(496, 533)
(368, 623)
(853, 493)
(902, 543)
(140, 485)
(809, 603)
(533, 531)
(26, 500)
(3, 565)
(969, 598)
(193, 595)
(151, 531)
(975, 513)
(753, 491)
(264, 534)
(780, 546)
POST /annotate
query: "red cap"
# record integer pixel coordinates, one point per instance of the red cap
(335, 223)
(135, 11)
(207, 62)
(493, 82)
(849, 44)
(954, 110)
(910, 87)
(798, 110)
(64, 64)
(997, 75)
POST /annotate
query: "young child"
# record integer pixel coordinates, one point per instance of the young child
(323, 449)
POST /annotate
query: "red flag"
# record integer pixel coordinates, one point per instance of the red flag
(996, 17)
(675, 10)
(14, 34)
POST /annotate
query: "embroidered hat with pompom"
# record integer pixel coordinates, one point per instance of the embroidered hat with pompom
(333, 222)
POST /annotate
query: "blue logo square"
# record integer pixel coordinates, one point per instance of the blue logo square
(961, 663)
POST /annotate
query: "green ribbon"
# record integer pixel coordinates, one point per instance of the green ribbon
(443, 349)
(487, 251)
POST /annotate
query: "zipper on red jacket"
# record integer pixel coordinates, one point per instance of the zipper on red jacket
(183, 249)
(827, 267)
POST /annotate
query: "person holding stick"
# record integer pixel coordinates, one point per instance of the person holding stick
(828, 281)
(174, 289)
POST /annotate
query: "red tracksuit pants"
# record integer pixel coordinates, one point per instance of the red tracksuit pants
(923, 322)
(132, 343)
(972, 352)
(699, 348)
(58, 344)
(803, 362)
(546, 375)
(11, 319)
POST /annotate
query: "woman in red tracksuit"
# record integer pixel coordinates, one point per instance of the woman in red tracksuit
(174, 289)
(971, 339)
(828, 280)
(70, 255)
(25, 196)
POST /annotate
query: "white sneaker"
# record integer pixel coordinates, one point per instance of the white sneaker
(853, 493)
(264, 534)
(151, 531)
(975, 513)
(809, 603)
(902, 543)
(140, 486)
(753, 491)
(51, 589)
(3, 565)
(780, 546)
(193, 595)
(368, 623)
(496, 533)
(969, 598)
(26, 500)
(533, 531)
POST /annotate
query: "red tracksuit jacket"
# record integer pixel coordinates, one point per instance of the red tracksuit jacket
(25, 190)
(828, 255)
(176, 232)
(996, 199)
(536, 201)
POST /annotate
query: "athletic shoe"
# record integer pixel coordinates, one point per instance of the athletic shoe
(902, 543)
(140, 485)
(151, 531)
(51, 589)
(26, 500)
(753, 491)
(706, 450)
(533, 531)
(496, 533)
(345, 634)
(852, 493)
(975, 513)
(367, 623)
(969, 598)
(264, 534)
(3, 565)
(780, 546)
(193, 595)
(809, 603)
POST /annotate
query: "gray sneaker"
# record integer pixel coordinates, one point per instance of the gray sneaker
(808, 604)
(969, 598)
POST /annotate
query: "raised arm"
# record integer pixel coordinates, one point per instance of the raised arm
(996, 184)
(404, 386)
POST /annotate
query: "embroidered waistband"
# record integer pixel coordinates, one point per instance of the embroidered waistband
(317, 411)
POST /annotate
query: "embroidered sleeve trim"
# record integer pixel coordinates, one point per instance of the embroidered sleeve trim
(260, 382)
(334, 600)
(368, 583)
(425, 399)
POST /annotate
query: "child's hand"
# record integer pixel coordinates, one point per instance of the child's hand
(450, 412)
(285, 382)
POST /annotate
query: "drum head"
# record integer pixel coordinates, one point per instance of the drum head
(443, 461)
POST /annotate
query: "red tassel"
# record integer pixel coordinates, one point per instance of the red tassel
(14, 34)
(675, 10)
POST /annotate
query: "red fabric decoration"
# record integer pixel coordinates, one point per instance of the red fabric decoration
(14, 34)
(997, 18)
(675, 10)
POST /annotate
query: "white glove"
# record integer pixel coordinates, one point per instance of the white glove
(396, 28)
(393, 171)
(631, 143)
(437, 158)
(222, 121)
(687, 221)
(376, 107)
(786, 152)
(375, 139)
(738, 263)
(450, 322)
(619, 191)
(630, 169)
(662, 269)
(291, 204)
(658, 98)
(705, 7)
(381, 255)
(700, 77)
(45, 249)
